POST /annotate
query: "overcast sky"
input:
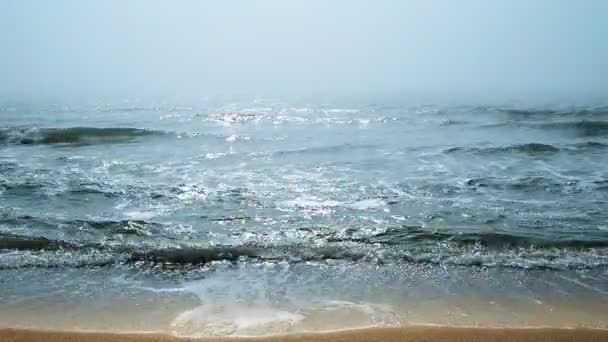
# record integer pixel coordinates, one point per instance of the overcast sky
(282, 47)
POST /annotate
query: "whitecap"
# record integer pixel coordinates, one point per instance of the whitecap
(366, 204)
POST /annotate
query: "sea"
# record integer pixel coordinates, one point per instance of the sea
(265, 217)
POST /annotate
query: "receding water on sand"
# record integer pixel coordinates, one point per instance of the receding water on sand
(251, 299)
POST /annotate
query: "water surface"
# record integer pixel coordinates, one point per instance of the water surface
(265, 217)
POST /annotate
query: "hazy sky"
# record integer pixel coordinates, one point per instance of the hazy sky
(277, 47)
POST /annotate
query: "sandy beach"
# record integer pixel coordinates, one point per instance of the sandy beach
(427, 334)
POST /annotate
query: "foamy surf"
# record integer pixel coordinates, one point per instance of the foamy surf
(265, 219)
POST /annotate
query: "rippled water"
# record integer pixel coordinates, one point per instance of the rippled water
(174, 193)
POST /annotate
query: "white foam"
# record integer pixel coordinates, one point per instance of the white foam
(221, 320)
(231, 138)
(214, 155)
(367, 204)
(232, 305)
(140, 215)
(310, 203)
(316, 203)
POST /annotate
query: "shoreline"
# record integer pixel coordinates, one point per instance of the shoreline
(413, 334)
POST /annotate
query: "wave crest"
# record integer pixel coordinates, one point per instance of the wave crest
(72, 135)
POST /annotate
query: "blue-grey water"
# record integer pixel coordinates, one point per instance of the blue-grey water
(380, 214)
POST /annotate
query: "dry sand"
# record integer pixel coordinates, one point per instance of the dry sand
(427, 334)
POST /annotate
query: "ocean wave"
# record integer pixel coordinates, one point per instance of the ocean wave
(25, 183)
(325, 149)
(130, 227)
(583, 128)
(590, 145)
(17, 242)
(527, 183)
(579, 128)
(601, 184)
(72, 135)
(527, 112)
(528, 148)
(6, 166)
(531, 149)
(23, 187)
(194, 256)
(577, 112)
(28, 233)
(397, 245)
(489, 239)
(188, 259)
(95, 233)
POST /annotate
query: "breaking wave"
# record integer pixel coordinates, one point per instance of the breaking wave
(72, 135)
(464, 247)
(579, 128)
(548, 113)
(325, 149)
(530, 148)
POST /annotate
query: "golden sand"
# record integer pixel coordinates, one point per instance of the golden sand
(426, 334)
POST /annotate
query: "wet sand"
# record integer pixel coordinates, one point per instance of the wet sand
(427, 334)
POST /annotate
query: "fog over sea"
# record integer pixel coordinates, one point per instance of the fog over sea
(251, 168)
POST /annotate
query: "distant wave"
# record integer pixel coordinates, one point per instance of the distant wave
(581, 128)
(490, 239)
(453, 122)
(323, 149)
(527, 112)
(579, 112)
(591, 145)
(524, 184)
(17, 242)
(72, 135)
(110, 227)
(529, 148)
